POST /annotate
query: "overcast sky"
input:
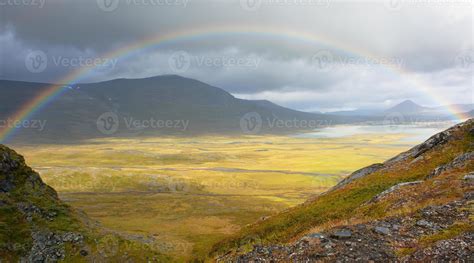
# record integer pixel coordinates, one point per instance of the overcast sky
(371, 54)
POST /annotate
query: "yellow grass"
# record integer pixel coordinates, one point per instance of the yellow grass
(188, 193)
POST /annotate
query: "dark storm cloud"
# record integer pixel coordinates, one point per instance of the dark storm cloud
(427, 37)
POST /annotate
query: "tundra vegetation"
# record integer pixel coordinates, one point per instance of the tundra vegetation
(182, 195)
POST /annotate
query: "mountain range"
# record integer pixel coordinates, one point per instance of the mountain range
(408, 108)
(170, 103)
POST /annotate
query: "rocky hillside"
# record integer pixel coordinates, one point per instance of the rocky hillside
(35, 226)
(414, 207)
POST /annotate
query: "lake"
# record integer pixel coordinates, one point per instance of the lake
(415, 133)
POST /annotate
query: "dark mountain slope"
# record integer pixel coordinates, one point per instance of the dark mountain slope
(205, 109)
(409, 112)
(406, 107)
(415, 206)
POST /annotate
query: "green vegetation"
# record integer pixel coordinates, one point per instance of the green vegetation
(25, 207)
(180, 196)
(344, 203)
(454, 230)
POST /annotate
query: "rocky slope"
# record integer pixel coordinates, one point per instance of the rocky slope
(36, 226)
(414, 207)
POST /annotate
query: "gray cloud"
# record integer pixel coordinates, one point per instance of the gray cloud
(427, 36)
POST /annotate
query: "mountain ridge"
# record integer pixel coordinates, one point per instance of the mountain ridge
(409, 108)
(208, 109)
(406, 107)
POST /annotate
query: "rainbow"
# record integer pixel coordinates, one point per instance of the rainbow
(55, 90)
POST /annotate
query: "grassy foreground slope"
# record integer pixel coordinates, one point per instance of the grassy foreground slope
(36, 226)
(433, 165)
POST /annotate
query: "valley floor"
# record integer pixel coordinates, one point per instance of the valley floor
(180, 195)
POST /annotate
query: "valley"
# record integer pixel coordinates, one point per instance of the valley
(181, 195)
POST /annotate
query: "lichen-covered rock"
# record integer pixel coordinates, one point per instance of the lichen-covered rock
(359, 174)
(8, 164)
(458, 162)
(382, 230)
(16, 176)
(469, 177)
(435, 140)
(50, 247)
(393, 189)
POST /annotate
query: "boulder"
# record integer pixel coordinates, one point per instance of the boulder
(359, 174)
(382, 230)
(459, 161)
(469, 177)
(342, 233)
(393, 189)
